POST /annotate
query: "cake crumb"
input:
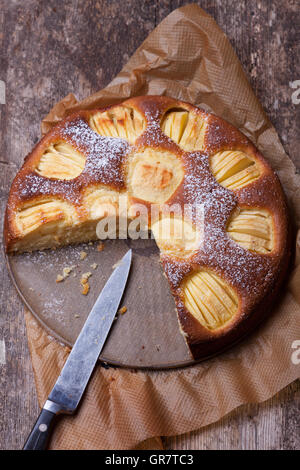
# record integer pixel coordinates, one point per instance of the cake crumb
(83, 255)
(94, 265)
(123, 310)
(100, 246)
(85, 277)
(77, 315)
(85, 288)
(66, 272)
(117, 264)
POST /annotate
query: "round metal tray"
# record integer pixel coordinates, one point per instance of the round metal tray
(146, 336)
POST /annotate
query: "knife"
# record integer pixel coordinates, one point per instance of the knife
(68, 390)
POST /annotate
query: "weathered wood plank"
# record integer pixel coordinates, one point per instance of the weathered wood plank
(18, 404)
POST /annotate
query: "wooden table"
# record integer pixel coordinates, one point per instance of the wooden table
(50, 48)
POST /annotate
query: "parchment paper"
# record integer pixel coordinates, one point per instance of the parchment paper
(187, 57)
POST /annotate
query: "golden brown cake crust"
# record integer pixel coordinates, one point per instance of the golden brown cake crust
(254, 277)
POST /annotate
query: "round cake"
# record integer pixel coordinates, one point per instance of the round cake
(214, 205)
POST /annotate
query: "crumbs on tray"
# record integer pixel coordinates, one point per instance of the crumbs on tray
(85, 288)
(84, 283)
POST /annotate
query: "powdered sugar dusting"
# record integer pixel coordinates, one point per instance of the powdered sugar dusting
(34, 184)
(153, 135)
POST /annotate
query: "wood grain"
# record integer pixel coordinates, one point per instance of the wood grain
(49, 49)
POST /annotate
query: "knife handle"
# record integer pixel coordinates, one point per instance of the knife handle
(40, 433)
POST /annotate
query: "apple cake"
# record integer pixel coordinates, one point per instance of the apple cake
(224, 263)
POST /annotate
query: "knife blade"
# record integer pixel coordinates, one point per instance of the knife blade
(73, 379)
